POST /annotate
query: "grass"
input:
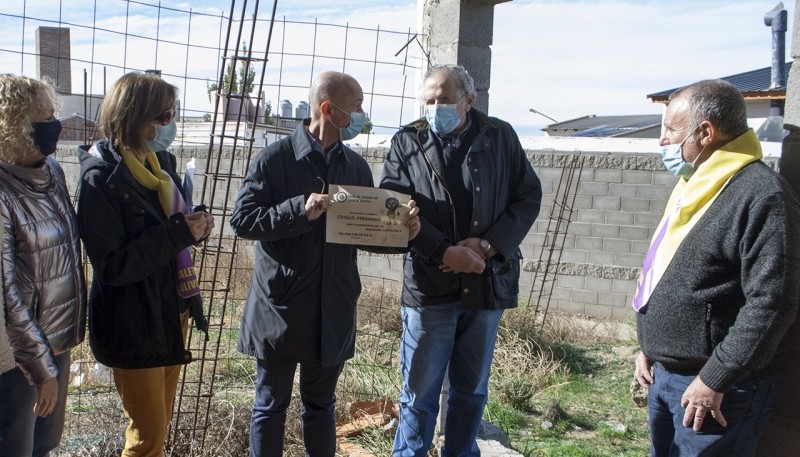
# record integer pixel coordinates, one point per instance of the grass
(571, 373)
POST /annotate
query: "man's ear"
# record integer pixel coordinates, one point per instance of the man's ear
(708, 133)
(470, 100)
(325, 109)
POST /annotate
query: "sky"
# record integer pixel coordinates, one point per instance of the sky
(563, 58)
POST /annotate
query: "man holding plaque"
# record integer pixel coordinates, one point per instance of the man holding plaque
(301, 305)
(478, 197)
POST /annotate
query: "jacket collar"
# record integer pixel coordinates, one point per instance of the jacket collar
(37, 178)
(103, 154)
(301, 143)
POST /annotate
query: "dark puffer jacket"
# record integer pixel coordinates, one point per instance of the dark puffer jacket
(43, 283)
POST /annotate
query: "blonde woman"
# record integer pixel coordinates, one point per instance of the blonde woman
(137, 232)
(43, 286)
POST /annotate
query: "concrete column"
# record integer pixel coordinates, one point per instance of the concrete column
(781, 437)
(460, 32)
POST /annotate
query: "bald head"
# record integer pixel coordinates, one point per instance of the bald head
(334, 86)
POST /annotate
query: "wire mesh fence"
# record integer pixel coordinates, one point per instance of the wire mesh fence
(240, 71)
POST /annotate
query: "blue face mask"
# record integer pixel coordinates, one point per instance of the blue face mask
(672, 156)
(443, 119)
(356, 126)
(165, 135)
(45, 136)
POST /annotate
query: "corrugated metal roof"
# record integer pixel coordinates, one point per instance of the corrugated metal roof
(630, 122)
(750, 81)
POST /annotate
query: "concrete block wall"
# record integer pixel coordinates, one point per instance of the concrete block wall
(619, 201)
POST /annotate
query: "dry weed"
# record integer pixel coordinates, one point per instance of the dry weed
(521, 368)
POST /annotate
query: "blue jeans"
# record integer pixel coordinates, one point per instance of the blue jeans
(22, 433)
(273, 393)
(746, 407)
(433, 337)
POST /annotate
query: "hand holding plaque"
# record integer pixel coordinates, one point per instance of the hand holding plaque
(368, 216)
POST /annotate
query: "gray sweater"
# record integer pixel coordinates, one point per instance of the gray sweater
(731, 292)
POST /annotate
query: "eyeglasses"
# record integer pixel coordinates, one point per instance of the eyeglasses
(165, 117)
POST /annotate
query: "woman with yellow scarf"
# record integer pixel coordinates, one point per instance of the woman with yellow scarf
(138, 232)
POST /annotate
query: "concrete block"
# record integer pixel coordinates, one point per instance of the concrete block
(635, 204)
(598, 284)
(593, 188)
(605, 230)
(589, 243)
(617, 246)
(649, 220)
(653, 192)
(570, 282)
(379, 263)
(608, 175)
(580, 228)
(593, 216)
(572, 307)
(640, 247)
(606, 203)
(633, 260)
(582, 202)
(612, 299)
(622, 190)
(634, 233)
(623, 286)
(664, 178)
(587, 297)
(637, 177)
(619, 217)
(572, 255)
(549, 173)
(601, 258)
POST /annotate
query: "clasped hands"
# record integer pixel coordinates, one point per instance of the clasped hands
(465, 257)
(200, 223)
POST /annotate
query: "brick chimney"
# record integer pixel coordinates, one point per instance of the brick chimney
(53, 57)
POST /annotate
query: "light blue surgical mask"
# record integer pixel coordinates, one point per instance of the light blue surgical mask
(672, 156)
(165, 135)
(443, 118)
(356, 125)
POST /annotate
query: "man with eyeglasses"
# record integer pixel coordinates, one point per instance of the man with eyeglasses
(720, 283)
(478, 197)
(302, 301)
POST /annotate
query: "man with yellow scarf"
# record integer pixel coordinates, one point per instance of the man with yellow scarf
(720, 283)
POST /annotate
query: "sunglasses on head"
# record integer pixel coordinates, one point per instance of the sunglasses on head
(166, 117)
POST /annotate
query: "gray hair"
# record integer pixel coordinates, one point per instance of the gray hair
(466, 84)
(718, 102)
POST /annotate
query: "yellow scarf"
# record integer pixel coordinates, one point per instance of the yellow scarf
(172, 202)
(691, 198)
(158, 180)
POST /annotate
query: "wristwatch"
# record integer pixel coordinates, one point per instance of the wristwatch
(485, 246)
